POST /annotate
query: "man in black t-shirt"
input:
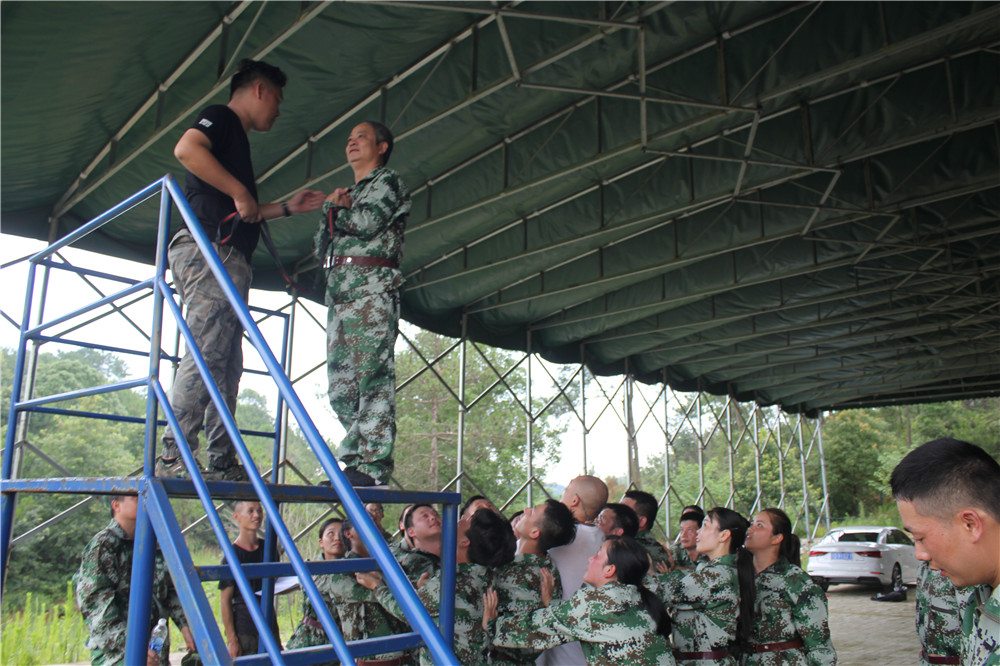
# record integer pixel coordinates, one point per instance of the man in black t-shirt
(222, 191)
(242, 637)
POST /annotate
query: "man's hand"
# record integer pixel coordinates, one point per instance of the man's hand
(234, 648)
(247, 208)
(369, 579)
(489, 608)
(305, 201)
(548, 585)
(152, 659)
(189, 639)
(340, 197)
(424, 577)
(662, 567)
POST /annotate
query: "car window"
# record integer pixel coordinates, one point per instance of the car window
(897, 537)
(855, 537)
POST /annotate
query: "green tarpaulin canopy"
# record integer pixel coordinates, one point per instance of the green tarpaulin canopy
(789, 203)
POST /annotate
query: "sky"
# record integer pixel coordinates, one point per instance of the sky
(607, 451)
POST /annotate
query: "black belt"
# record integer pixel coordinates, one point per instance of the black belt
(341, 260)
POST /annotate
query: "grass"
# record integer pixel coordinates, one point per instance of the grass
(47, 632)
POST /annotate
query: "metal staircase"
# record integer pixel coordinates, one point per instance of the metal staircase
(157, 523)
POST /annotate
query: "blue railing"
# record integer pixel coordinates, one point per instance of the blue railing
(155, 513)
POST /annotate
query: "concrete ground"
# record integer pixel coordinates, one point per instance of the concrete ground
(872, 633)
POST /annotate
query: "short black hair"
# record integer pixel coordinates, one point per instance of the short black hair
(491, 541)
(625, 518)
(408, 520)
(695, 514)
(384, 135)
(645, 505)
(474, 498)
(557, 527)
(945, 474)
(249, 71)
(113, 498)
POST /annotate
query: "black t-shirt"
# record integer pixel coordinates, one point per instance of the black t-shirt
(231, 147)
(241, 616)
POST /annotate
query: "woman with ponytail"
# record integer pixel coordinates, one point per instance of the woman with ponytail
(712, 605)
(616, 619)
(790, 614)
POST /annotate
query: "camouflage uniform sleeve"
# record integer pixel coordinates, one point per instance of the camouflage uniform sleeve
(429, 596)
(809, 613)
(562, 622)
(385, 199)
(96, 584)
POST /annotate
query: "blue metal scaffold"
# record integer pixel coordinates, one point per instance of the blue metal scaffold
(156, 523)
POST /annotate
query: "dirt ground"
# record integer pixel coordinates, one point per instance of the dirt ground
(872, 633)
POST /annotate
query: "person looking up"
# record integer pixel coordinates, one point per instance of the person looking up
(422, 526)
(712, 606)
(790, 622)
(309, 632)
(645, 508)
(685, 552)
(519, 583)
(617, 620)
(617, 520)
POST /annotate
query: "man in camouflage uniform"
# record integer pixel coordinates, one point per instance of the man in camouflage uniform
(645, 507)
(939, 619)
(617, 520)
(221, 189)
(103, 584)
(485, 543)
(519, 584)
(363, 228)
(948, 495)
(685, 551)
(422, 532)
(361, 616)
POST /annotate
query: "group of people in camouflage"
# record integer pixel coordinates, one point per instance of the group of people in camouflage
(569, 582)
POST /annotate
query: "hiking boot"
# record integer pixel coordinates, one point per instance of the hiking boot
(359, 479)
(233, 473)
(170, 468)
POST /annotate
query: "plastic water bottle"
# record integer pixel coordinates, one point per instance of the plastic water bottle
(159, 636)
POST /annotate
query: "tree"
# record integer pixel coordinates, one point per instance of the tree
(495, 441)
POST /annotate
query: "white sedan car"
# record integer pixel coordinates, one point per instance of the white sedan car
(863, 554)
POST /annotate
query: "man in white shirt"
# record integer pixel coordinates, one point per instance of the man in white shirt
(585, 496)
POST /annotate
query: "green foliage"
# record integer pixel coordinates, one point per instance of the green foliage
(495, 427)
(44, 634)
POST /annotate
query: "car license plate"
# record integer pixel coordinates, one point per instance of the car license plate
(840, 556)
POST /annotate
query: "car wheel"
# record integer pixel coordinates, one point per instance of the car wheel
(896, 581)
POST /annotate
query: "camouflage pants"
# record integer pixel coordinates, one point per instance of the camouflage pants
(360, 336)
(219, 335)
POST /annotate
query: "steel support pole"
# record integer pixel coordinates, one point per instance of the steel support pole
(822, 472)
(583, 406)
(781, 458)
(666, 456)
(528, 425)
(802, 467)
(732, 454)
(460, 453)
(633, 455)
(141, 591)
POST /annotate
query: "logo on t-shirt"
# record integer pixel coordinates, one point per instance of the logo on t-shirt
(205, 122)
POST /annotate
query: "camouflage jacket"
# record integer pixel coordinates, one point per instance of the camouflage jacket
(307, 633)
(372, 227)
(681, 558)
(471, 581)
(657, 553)
(102, 585)
(360, 613)
(790, 606)
(981, 628)
(608, 621)
(518, 585)
(939, 622)
(416, 562)
(704, 605)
